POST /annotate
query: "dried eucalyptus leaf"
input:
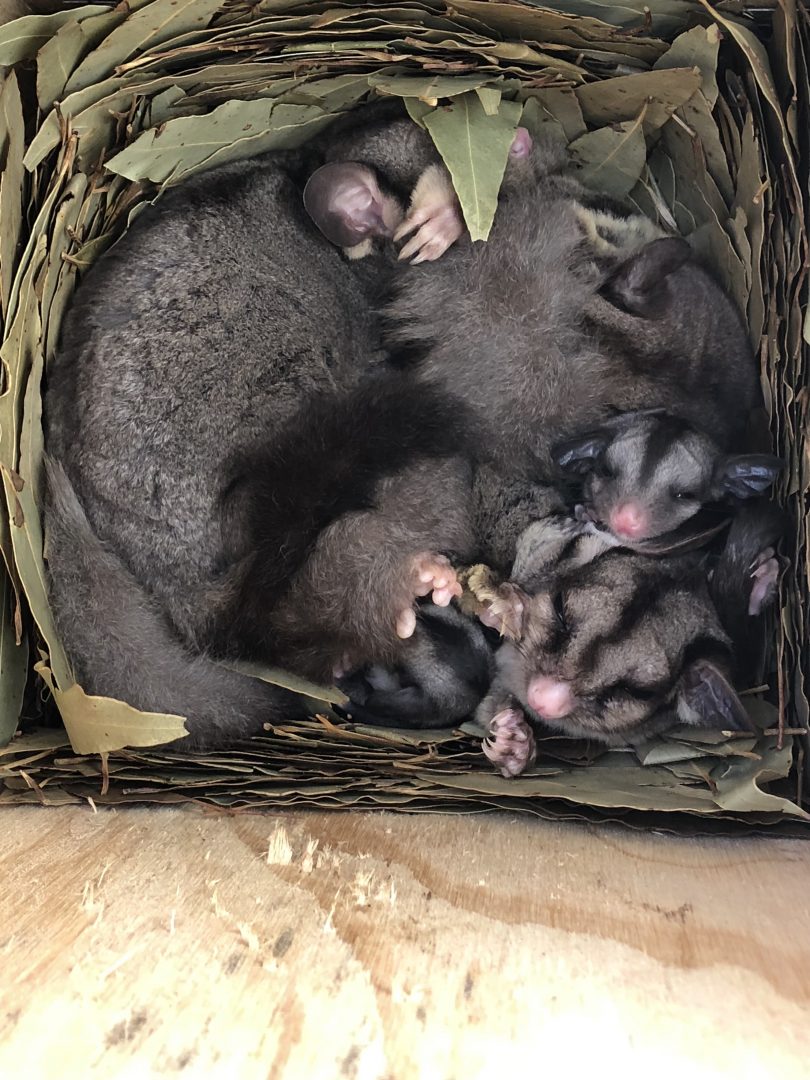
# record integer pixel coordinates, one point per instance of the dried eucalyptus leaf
(611, 159)
(475, 149)
(490, 99)
(417, 110)
(698, 116)
(26, 526)
(698, 48)
(55, 62)
(13, 663)
(563, 107)
(538, 120)
(426, 88)
(601, 784)
(544, 25)
(654, 95)
(757, 56)
(60, 56)
(22, 38)
(738, 782)
(97, 725)
(277, 677)
(146, 28)
(12, 144)
(184, 144)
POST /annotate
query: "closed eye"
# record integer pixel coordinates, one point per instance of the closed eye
(559, 611)
(624, 690)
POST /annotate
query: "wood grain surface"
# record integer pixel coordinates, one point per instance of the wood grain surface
(145, 943)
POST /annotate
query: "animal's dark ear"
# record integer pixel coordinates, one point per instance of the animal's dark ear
(707, 699)
(638, 285)
(745, 475)
(580, 454)
(345, 202)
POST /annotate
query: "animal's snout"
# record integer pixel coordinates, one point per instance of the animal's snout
(550, 698)
(630, 520)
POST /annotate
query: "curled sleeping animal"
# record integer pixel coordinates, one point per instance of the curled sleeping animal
(170, 518)
(565, 317)
(605, 644)
(233, 471)
(541, 331)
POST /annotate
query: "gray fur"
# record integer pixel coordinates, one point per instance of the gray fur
(660, 469)
(122, 644)
(195, 343)
(442, 673)
(543, 335)
(624, 632)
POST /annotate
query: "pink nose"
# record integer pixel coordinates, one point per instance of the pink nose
(550, 698)
(628, 519)
(521, 144)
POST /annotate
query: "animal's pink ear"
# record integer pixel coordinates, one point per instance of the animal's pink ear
(505, 612)
(521, 144)
(345, 202)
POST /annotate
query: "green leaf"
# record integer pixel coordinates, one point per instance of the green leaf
(12, 143)
(698, 48)
(97, 725)
(22, 38)
(611, 159)
(234, 130)
(147, 28)
(562, 107)
(655, 95)
(475, 149)
(427, 88)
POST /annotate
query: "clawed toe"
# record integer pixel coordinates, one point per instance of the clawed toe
(510, 745)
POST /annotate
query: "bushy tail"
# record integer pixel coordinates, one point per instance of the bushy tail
(331, 458)
(122, 646)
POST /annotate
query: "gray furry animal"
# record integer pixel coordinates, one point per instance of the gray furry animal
(220, 335)
(443, 672)
(606, 644)
(543, 338)
(561, 320)
(645, 474)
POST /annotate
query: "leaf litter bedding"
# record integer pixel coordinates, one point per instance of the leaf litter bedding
(698, 115)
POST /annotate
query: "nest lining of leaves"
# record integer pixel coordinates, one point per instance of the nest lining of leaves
(676, 105)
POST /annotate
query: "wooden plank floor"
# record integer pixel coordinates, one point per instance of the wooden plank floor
(162, 942)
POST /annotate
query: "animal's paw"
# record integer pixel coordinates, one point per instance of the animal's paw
(510, 745)
(434, 214)
(765, 581)
(429, 574)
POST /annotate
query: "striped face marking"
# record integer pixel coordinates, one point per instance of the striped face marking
(607, 637)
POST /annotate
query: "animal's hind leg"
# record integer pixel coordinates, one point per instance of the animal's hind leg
(352, 603)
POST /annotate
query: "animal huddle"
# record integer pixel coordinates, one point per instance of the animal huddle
(271, 437)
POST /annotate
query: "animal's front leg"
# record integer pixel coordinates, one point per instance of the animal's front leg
(435, 215)
(510, 744)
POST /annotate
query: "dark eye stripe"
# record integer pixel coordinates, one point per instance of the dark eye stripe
(625, 688)
(644, 598)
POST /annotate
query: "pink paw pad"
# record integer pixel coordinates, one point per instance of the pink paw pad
(510, 745)
(429, 574)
